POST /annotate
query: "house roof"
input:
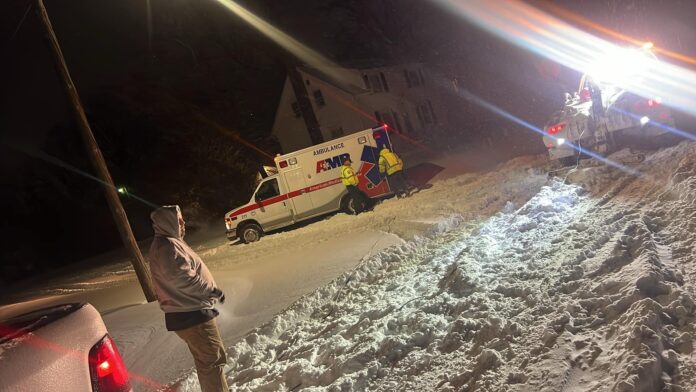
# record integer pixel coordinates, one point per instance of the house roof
(347, 87)
(364, 64)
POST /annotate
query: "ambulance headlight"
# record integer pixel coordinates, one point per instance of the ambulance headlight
(560, 141)
(644, 120)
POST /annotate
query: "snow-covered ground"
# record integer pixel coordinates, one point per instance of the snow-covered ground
(585, 286)
(497, 281)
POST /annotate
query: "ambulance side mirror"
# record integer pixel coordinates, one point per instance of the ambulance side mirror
(257, 198)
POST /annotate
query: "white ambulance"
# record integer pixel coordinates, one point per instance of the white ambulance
(308, 184)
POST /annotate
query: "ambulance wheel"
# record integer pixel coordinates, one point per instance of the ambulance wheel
(251, 232)
(349, 205)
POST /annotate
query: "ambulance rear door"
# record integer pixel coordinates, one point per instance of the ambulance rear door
(372, 182)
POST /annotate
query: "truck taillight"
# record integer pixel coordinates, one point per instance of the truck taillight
(554, 129)
(652, 103)
(106, 367)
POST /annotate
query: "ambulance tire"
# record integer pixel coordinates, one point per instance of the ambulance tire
(250, 232)
(348, 205)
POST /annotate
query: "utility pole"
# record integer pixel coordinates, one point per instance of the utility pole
(97, 159)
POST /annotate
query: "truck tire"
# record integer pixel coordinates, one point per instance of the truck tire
(569, 161)
(250, 232)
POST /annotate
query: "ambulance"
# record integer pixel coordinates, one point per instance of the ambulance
(308, 184)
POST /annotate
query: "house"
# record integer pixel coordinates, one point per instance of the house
(404, 97)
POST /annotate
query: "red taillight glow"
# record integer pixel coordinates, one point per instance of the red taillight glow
(653, 103)
(283, 164)
(109, 373)
(554, 129)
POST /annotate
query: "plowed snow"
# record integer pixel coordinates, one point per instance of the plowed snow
(584, 285)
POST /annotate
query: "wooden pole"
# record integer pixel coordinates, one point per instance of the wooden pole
(97, 159)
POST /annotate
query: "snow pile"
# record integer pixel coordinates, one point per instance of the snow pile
(407, 310)
(581, 288)
(469, 197)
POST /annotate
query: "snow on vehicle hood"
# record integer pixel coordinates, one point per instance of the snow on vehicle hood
(165, 221)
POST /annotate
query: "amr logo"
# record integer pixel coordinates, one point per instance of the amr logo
(331, 163)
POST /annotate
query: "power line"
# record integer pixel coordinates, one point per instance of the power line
(21, 22)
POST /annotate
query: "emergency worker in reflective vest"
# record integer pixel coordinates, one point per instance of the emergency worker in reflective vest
(393, 166)
(357, 201)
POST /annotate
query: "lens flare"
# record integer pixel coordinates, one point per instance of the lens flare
(550, 37)
(303, 52)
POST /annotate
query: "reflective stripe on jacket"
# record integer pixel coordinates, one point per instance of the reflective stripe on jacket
(389, 162)
(348, 176)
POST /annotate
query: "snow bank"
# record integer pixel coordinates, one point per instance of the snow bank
(587, 286)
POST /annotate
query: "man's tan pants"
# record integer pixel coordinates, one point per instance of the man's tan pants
(208, 352)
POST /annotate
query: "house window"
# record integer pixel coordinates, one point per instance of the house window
(432, 111)
(296, 109)
(319, 98)
(376, 84)
(426, 114)
(384, 81)
(397, 123)
(412, 78)
(366, 80)
(409, 125)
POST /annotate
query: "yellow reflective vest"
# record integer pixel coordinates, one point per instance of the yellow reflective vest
(348, 176)
(389, 162)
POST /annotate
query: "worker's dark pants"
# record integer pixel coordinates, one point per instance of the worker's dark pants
(397, 183)
(359, 199)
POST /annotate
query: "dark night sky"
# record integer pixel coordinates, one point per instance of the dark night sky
(52, 217)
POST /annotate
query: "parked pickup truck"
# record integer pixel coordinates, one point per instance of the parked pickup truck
(60, 348)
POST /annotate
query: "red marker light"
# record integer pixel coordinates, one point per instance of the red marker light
(554, 129)
(283, 164)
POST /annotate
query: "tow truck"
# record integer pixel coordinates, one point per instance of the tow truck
(603, 115)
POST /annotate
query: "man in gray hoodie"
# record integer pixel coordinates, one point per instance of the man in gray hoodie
(187, 294)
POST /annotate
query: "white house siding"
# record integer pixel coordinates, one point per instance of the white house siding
(290, 129)
(340, 113)
(349, 110)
